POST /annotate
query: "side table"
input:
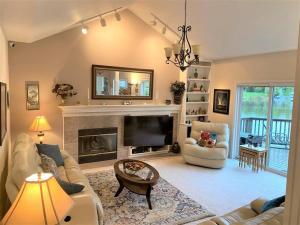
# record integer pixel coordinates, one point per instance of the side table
(255, 157)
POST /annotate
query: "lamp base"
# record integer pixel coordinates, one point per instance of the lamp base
(41, 136)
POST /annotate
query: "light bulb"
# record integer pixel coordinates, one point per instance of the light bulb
(102, 22)
(118, 16)
(84, 30)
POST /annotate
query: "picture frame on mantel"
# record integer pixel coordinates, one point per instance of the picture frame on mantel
(221, 101)
(3, 112)
(32, 95)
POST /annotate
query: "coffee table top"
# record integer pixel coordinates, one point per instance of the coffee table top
(136, 171)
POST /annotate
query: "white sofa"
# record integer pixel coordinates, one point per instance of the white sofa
(202, 156)
(250, 215)
(25, 161)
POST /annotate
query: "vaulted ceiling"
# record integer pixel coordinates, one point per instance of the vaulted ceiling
(224, 28)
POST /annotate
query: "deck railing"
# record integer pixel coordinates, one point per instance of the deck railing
(280, 129)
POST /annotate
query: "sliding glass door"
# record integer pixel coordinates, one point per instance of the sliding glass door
(280, 127)
(265, 114)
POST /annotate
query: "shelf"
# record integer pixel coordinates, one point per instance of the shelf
(196, 103)
(197, 115)
(197, 92)
(197, 79)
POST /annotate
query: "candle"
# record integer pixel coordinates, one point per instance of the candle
(88, 96)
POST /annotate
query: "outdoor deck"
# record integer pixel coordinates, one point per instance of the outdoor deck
(279, 139)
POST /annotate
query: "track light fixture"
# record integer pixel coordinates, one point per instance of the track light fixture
(153, 22)
(102, 21)
(84, 29)
(164, 30)
(117, 15)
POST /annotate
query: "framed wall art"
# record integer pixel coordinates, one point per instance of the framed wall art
(32, 95)
(221, 101)
(3, 112)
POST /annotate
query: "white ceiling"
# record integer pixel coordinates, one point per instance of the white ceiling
(224, 28)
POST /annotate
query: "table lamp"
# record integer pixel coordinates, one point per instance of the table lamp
(41, 201)
(40, 124)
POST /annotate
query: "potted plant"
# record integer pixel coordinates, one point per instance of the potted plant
(65, 91)
(177, 88)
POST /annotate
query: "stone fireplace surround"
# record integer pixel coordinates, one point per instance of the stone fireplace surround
(102, 116)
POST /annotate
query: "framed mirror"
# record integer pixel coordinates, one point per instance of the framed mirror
(110, 82)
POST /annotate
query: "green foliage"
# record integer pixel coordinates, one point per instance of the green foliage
(177, 88)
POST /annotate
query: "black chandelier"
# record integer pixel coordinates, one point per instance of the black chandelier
(183, 49)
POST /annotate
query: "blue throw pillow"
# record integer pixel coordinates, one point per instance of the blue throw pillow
(51, 151)
(70, 188)
(272, 203)
(213, 136)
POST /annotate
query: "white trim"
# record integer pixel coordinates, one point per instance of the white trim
(101, 110)
(267, 83)
(236, 129)
(292, 206)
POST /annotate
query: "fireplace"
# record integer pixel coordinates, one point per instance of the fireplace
(97, 144)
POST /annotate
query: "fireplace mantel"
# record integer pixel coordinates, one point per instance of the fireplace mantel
(100, 110)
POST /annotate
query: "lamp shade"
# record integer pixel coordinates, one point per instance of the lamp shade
(41, 200)
(40, 123)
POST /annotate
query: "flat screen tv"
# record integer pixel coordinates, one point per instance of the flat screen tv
(148, 131)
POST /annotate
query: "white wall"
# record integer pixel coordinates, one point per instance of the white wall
(68, 57)
(227, 74)
(4, 149)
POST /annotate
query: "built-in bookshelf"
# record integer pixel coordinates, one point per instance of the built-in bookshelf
(197, 93)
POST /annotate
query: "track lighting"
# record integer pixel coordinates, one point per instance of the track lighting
(153, 22)
(164, 30)
(84, 29)
(102, 22)
(117, 15)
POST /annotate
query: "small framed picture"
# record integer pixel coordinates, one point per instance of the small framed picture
(32, 95)
(221, 101)
(3, 112)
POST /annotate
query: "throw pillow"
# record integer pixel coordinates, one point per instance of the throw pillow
(276, 202)
(206, 140)
(48, 165)
(52, 151)
(70, 188)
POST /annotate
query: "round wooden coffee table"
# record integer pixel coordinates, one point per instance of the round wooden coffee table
(137, 176)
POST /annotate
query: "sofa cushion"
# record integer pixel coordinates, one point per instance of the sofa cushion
(272, 203)
(70, 188)
(48, 165)
(239, 214)
(205, 153)
(51, 151)
(25, 159)
(220, 129)
(273, 216)
(256, 205)
(62, 173)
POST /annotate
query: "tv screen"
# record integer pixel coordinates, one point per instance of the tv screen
(148, 131)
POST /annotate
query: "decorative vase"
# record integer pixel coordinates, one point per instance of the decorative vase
(195, 74)
(177, 99)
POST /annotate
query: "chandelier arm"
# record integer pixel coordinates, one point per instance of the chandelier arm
(175, 63)
(188, 29)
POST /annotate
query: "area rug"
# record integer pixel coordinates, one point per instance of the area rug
(170, 205)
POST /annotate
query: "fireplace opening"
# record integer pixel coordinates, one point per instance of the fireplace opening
(97, 144)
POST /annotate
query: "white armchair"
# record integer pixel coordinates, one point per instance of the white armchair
(208, 157)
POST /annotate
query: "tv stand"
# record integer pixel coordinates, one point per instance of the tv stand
(135, 151)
